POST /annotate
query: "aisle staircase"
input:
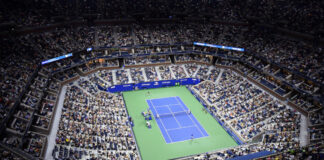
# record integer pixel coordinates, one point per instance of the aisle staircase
(219, 76)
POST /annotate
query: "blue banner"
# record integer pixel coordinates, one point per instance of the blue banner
(154, 84)
(121, 88)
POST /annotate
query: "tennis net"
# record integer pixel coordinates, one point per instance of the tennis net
(172, 114)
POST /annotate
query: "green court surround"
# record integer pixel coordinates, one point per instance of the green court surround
(151, 143)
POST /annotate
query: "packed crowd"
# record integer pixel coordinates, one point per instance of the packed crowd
(16, 69)
(281, 125)
(147, 60)
(248, 112)
(151, 74)
(137, 75)
(240, 104)
(197, 58)
(251, 112)
(94, 126)
(165, 72)
(21, 55)
(99, 82)
(192, 69)
(213, 91)
(122, 76)
(294, 55)
(296, 16)
(88, 86)
(316, 117)
(106, 75)
(38, 13)
(263, 42)
(33, 144)
(178, 71)
(308, 152)
(34, 110)
(203, 72)
(275, 85)
(281, 136)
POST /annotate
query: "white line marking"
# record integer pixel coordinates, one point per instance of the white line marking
(166, 105)
(181, 128)
(191, 119)
(187, 140)
(160, 129)
(161, 122)
(174, 105)
(176, 97)
(174, 117)
(163, 106)
(162, 98)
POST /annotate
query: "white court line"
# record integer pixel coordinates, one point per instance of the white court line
(191, 119)
(162, 98)
(161, 122)
(195, 125)
(174, 105)
(187, 140)
(174, 117)
(163, 106)
(180, 128)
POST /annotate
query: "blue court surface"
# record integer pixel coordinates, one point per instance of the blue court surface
(175, 120)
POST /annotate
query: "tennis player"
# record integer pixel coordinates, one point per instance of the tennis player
(148, 93)
(148, 124)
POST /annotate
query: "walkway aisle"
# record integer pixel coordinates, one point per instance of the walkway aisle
(185, 70)
(114, 34)
(221, 36)
(194, 75)
(219, 76)
(109, 83)
(209, 70)
(51, 137)
(133, 35)
(58, 45)
(130, 80)
(172, 74)
(304, 135)
(83, 89)
(96, 38)
(198, 93)
(158, 72)
(92, 83)
(114, 77)
(144, 74)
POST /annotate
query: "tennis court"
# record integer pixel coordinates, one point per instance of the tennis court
(175, 120)
(152, 143)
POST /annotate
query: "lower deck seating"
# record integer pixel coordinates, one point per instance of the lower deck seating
(250, 111)
(94, 126)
